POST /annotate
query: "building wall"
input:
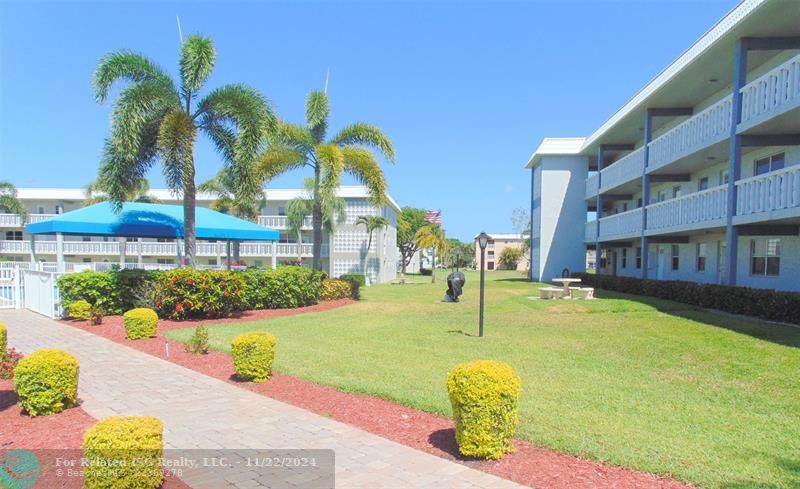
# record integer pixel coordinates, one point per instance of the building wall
(495, 248)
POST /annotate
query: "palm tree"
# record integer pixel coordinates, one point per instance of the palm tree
(155, 119)
(372, 223)
(10, 203)
(333, 212)
(348, 152)
(432, 236)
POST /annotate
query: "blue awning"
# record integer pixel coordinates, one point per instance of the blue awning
(151, 221)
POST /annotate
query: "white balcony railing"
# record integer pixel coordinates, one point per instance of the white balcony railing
(699, 131)
(13, 220)
(622, 225)
(281, 222)
(591, 231)
(769, 192)
(624, 170)
(591, 185)
(772, 93)
(697, 208)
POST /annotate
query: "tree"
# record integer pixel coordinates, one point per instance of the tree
(432, 236)
(333, 212)
(348, 152)
(154, 120)
(521, 222)
(10, 203)
(372, 223)
(459, 255)
(409, 221)
(509, 257)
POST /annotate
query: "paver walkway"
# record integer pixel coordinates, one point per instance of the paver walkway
(200, 412)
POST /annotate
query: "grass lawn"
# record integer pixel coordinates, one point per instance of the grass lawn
(653, 385)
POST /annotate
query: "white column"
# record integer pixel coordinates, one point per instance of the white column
(274, 249)
(228, 254)
(139, 251)
(60, 252)
(178, 251)
(33, 251)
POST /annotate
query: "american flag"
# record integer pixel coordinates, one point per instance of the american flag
(434, 217)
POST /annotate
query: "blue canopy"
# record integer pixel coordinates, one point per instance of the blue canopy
(151, 221)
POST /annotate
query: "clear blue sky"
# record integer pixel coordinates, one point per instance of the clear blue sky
(466, 90)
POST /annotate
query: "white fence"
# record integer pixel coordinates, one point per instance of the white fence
(772, 191)
(626, 169)
(775, 91)
(40, 292)
(695, 208)
(622, 225)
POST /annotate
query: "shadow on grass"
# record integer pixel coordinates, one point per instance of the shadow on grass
(792, 467)
(521, 279)
(462, 332)
(781, 334)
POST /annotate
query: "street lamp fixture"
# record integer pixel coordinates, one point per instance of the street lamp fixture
(483, 240)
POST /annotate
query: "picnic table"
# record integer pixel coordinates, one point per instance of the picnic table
(565, 282)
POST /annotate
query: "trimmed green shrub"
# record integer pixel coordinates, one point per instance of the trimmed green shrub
(333, 289)
(3, 340)
(47, 382)
(198, 342)
(130, 285)
(253, 355)
(485, 399)
(124, 452)
(79, 310)
(96, 288)
(426, 271)
(140, 323)
(284, 287)
(358, 278)
(762, 303)
(185, 293)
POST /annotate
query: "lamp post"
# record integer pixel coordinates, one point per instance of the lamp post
(483, 240)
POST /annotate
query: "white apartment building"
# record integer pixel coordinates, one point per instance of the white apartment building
(343, 252)
(697, 177)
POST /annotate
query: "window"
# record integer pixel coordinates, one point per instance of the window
(723, 177)
(59, 209)
(212, 261)
(603, 258)
(765, 257)
(40, 210)
(281, 211)
(490, 265)
(624, 207)
(702, 249)
(14, 235)
(676, 191)
(702, 184)
(638, 202)
(165, 261)
(86, 238)
(676, 257)
(87, 260)
(624, 257)
(771, 163)
(638, 258)
(491, 254)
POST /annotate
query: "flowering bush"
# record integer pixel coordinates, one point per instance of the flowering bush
(187, 294)
(333, 289)
(9, 362)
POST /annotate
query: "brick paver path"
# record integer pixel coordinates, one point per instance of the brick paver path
(200, 412)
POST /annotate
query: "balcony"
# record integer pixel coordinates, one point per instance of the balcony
(707, 208)
(626, 169)
(773, 195)
(771, 95)
(703, 129)
(591, 186)
(624, 225)
(13, 220)
(281, 222)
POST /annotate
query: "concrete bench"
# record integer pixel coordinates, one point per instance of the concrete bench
(582, 292)
(550, 292)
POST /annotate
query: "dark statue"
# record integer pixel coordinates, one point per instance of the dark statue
(455, 286)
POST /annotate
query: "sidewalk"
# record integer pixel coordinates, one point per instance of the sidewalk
(200, 412)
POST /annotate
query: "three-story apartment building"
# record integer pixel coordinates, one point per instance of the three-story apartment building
(343, 251)
(697, 177)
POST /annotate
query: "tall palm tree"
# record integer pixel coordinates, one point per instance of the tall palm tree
(156, 119)
(10, 203)
(333, 212)
(372, 223)
(348, 152)
(432, 236)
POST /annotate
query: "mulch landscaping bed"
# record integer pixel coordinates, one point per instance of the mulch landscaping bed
(49, 437)
(431, 433)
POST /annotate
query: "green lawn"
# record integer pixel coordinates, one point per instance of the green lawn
(649, 384)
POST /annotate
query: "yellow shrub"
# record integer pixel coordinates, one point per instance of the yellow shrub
(80, 310)
(47, 381)
(333, 289)
(253, 354)
(124, 452)
(140, 323)
(3, 340)
(485, 399)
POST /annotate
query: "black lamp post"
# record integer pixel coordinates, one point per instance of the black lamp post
(483, 240)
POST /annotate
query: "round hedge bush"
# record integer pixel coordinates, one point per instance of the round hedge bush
(124, 452)
(3, 340)
(80, 310)
(485, 399)
(140, 323)
(253, 354)
(47, 381)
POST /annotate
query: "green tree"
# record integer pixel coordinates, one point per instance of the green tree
(9, 202)
(154, 119)
(348, 152)
(333, 212)
(459, 255)
(510, 257)
(432, 236)
(409, 221)
(372, 223)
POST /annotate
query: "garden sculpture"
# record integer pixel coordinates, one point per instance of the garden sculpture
(455, 286)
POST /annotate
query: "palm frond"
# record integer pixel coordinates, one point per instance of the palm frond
(361, 164)
(9, 201)
(295, 136)
(366, 135)
(317, 112)
(127, 66)
(138, 106)
(175, 145)
(197, 60)
(277, 160)
(331, 161)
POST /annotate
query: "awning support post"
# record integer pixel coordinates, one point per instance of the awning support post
(59, 252)
(228, 253)
(274, 246)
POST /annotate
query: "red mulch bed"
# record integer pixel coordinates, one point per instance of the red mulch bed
(49, 437)
(529, 465)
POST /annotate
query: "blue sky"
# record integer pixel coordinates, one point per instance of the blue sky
(465, 90)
